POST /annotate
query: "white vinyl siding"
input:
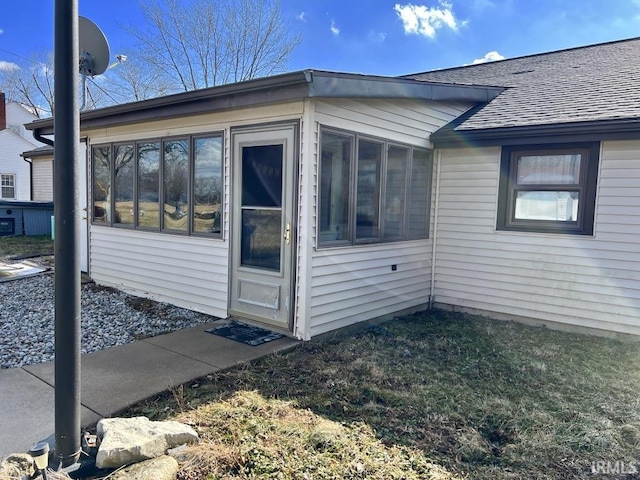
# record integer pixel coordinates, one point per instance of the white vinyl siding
(11, 163)
(355, 284)
(588, 281)
(190, 272)
(404, 121)
(42, 171)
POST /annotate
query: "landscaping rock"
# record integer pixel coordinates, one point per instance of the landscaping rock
(130, 440)
(161, 468)
(17, 466)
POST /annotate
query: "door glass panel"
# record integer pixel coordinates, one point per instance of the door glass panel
(260, 247)
(261, 207)
(262, 176)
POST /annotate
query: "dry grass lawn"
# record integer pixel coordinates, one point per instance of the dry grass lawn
(428, 396)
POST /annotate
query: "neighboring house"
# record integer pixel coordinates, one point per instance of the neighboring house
(15, 174)
(41, 160)
(313, 200)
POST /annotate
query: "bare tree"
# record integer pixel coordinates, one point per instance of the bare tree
(201, 43)
(31, 84)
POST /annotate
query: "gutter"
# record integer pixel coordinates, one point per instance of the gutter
(611, 129)
(270, 90)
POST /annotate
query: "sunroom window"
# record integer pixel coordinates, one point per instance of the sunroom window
(371, 190)
(173, 185)
(550, 190)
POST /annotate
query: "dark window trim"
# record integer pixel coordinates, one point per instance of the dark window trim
(352, 241)
(587, 189)
(190, 138)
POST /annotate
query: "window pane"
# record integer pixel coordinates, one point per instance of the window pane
(101, 184)
(418, 194)
(549, 169)
(149, 185)
(368, 189)
(261, 238)
(123, 184)
(335, 167)
(395, 191)
(8, 186)
(554, 206)
(262, 176)
(176, 184)
(207, 185)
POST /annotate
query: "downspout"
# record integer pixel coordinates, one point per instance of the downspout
(435, 230)
(30, 177)
(38, 136)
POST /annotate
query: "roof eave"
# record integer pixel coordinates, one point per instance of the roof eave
(270, 90)
(613, 129)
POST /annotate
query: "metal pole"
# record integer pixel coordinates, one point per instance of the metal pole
(67, 234)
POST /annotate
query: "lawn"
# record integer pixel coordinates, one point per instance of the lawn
(21, 246)
(429, 396)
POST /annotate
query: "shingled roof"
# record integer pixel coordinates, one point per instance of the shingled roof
(588, 84)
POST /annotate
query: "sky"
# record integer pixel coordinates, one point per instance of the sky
(376, 37)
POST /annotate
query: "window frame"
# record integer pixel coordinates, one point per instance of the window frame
(383, 237)
(11, 176)
(190, 178)
(586, 188)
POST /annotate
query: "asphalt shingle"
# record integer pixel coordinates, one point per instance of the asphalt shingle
(597, 82)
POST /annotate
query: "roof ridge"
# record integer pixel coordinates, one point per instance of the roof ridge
(532, 55)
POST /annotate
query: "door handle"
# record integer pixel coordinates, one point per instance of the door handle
(287, 234)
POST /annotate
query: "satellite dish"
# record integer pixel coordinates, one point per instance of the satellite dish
(93, 47)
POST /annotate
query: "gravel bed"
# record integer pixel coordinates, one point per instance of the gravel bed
(108, 318)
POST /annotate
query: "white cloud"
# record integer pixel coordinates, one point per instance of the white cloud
(335, 30)
(301, 17)
(8, 66)
(488, 57)
(423, 20)
(1, 31)
(377, 37)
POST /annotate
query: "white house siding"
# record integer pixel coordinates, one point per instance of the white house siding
(591, 282)
(188, 271)
(406, 121)
(42, 175)
(11, 163)
(354, 284)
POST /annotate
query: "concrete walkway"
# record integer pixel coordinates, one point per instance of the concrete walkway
(116, 378)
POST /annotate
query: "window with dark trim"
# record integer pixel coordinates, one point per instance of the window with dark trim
(171, 184)
(548, 189)
(371, 190)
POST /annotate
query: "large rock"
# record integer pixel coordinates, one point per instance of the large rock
(161, 468)
(18, 465)
(130, 440)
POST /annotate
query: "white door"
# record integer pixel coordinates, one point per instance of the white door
(262, 224)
